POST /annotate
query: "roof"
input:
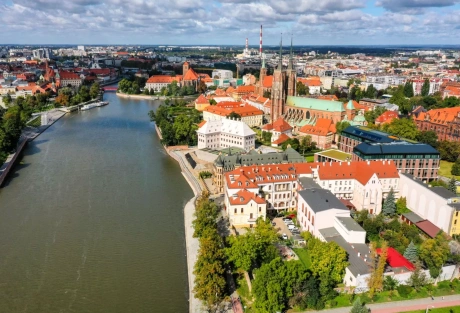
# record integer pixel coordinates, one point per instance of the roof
(367, 134)
(396, 147)
(226, 126)
(428, 228)
(315, 104)
(319, 200)
(349, 223)
(282, 138)
(308, 182)
(438, 190)
(245, 89)
(65, 75)
(162, 79)
(395, 259)
(322, 127)
(439, 116)
(201, 100)
(280, 125)
(412, 217)
(243, 111)
(244, 197)
(288, 156)
(362, 171)
(335, 154)
(201, 124)
(268, 81)
(386, 117)
(190, 75)
(359, 265)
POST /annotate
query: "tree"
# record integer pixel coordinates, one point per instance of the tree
(371, 116)
(340, 126)
(212, 102)
(305, 143)
(302, 90)
(94, 90)
(267, 94)
(267, 136)
(401, 206)
(449, 150)
(389, 204)
(434, 253)
(359, 307)
(371, 92)
(456, 168)
(205, 216)
(425, 88)
(234, 115)
(275, 282)
(202, 87)
(375, 280)
(411, 252)
(293, 142)
(450, 102)
(418, 278)
(452, 185)
(62, 99)
(400, 100)
(390, 283)
(7, 99)
(253, 248)
(408, 89)
(404, 128)
(427, 136)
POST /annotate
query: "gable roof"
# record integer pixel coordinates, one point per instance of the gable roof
(282, 138)
(268, 81)
(322, 127)
(201, 100)
(280, 125)
(387, 117)
(244, 196)
(162, 79)
(190, 75)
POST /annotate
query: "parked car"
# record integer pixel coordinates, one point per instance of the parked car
(291, 227)
(286, 219)
(284, 236)
(294, 229)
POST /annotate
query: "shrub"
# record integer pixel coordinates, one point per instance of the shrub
(404, 290)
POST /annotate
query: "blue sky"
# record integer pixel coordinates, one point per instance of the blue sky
(201, 22)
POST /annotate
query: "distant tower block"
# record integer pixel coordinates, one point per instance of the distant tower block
(247, 44)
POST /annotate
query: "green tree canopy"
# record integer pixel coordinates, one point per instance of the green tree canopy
(302, 90)
(389, 204)
(411, 252)
(234, 115)
(456, 168)
(425, 88)
(408, 89)
(404, 128)
(428, 136)
(359, 307)
(452, 185)
(449, 150)
(434, 253)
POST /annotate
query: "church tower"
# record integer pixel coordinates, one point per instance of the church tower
(185, 68)
(262, 75)
(291, 75)
(278, 88)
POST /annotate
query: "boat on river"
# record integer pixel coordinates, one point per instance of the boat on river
(88, 106)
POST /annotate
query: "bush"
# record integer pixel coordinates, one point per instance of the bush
(444, 285)
(404, 290)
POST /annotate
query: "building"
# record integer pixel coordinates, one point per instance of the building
(313, 84)
(418, 159)
(278, 128)
(445, 122)
(249, 114)
(230, 162)
(316, 207)
(42, 53)
(222, 74)
(300, 109)
(65, 78)
(322, 132)
(435, 204)
(244, 207)
(224, 133)
(386, 117)
(201, 103)
(372, 103)
(156, 82)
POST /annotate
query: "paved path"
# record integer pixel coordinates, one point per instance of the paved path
(404, 306)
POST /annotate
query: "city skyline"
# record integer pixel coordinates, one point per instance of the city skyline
(220, 22)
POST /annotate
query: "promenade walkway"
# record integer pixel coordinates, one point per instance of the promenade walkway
(403, 306)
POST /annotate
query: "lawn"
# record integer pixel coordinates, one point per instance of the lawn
(243, 291)
(310, 158)
(336, 154)
(451, 309)
(445, 168)
(304, 256)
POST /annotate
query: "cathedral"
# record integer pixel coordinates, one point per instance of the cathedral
(283, 84)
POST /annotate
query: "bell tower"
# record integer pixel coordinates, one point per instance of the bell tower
(185, 68)
(291, 75)
(278, 88)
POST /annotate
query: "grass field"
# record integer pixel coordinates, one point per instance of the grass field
(310, 158)
(336, 154)
(304, 256)
(445, 168)
(452, 309)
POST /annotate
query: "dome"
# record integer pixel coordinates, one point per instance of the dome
(359, 118)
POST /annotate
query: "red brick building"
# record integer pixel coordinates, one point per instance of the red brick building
(445, 122)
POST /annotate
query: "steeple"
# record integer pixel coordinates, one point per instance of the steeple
(290, 66)
(263, 62)
(280, 65)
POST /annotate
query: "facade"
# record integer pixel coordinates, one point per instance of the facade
(445, 122)
(313, 84)
(435, 204)
(418, 159)
(225, 133)
(354, 135)
(65, 78)
(201, 103)
(156, 82)
(244, 207)
(307, 109)
(322, 132)
(224, 164)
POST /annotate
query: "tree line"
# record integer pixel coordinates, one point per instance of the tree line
(69, 96)
(178, 124)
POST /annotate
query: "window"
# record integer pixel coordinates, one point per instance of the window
(260, 209)
(242, 210)
(235, 211)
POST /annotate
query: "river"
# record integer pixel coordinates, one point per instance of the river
(92, 220)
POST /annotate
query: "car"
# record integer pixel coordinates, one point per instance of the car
(294, 229)
(287, 220)
(273, 224)
(291, 226)
(284, 236)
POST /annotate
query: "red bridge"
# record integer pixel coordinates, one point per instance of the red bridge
(110, 88)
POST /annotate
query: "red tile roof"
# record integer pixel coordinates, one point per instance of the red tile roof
(322, 127)
(190, 75)
(268, 81)
(386, 117)
(395, 259)
(439, 116)
(243, 111)
(244, 197)
(245, 89)
(65, 75)
(201, 100)
(162, 79)
(282, 138)
(280, 125)
(428, 228)
(201, 124)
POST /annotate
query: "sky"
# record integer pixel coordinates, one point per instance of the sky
(230, 22)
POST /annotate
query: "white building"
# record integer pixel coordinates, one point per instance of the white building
(222, 74)
(244, 207)
(224, 133)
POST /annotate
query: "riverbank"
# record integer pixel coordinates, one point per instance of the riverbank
(124, 95)
(28, 134)
(192, 244)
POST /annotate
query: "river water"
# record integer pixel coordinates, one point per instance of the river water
(92, 221)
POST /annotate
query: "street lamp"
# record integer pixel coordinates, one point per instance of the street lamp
(428, 307)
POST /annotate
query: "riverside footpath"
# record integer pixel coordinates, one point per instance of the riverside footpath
(404, 306)
(192, 244)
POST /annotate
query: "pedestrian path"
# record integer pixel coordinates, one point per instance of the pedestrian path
(404, 306)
